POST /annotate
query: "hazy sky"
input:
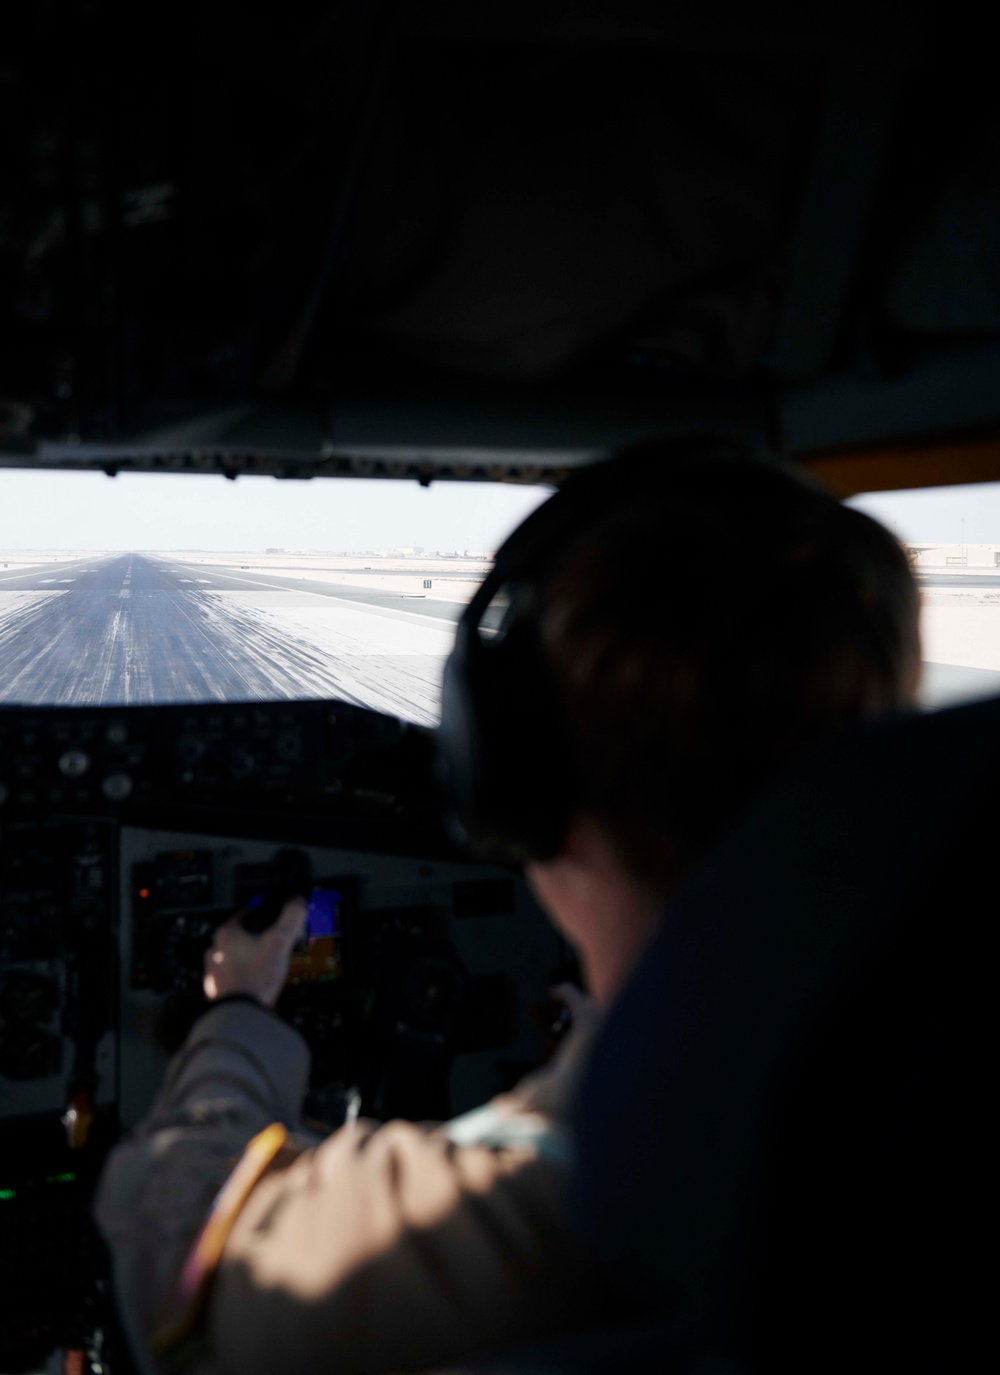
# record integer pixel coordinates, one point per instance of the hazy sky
(58, 510)
(935, 514)
(155, 511)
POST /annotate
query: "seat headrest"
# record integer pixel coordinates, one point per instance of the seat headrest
(793, 906)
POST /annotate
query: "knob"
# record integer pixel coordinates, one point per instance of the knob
(242, 764)
(74, 763)
(288, 745)
(116, 787)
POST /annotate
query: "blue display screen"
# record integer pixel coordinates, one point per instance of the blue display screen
(321, 913)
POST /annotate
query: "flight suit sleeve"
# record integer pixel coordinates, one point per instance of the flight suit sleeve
(239, 1070)
(392, 1248)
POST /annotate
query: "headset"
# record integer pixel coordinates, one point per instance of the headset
(504, 754)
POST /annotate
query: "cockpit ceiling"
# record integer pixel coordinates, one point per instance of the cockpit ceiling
(384, 240)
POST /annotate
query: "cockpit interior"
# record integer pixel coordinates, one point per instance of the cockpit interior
(303, 308)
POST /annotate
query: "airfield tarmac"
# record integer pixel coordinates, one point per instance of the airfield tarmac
(141, 628)
(136, 628)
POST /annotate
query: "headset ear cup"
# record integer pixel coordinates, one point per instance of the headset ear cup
(458, 751)
(502, 746)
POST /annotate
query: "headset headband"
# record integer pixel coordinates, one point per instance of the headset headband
(503, 747)
(587, 494)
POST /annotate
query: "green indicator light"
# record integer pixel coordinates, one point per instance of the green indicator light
(60, 1178)
(8, 1193)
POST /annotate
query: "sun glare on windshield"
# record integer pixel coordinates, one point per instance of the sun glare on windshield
(149, 588)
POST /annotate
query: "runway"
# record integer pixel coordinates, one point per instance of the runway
(134, 628)
(140, 628)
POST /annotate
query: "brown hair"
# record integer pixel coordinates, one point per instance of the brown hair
(709, 625)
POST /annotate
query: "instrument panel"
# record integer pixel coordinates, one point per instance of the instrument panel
(419, 982)
(411, 983)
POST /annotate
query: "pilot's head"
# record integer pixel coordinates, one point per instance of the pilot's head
(675, 627)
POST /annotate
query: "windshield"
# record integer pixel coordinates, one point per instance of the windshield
(952, 538)
(156, 589)
(147, 588)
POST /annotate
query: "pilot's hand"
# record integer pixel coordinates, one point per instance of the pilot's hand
(551, 1090)
(238, 962)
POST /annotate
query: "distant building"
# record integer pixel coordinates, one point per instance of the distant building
(275, 551)
(943, 556)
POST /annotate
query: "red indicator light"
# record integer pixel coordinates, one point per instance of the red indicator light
(144, 892)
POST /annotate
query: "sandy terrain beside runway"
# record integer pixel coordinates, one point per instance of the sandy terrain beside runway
(453, 580)
(961, 627)
(36, 558)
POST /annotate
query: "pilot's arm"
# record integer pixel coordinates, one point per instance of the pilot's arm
(242, 1245)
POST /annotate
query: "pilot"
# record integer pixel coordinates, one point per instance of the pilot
(682, 622)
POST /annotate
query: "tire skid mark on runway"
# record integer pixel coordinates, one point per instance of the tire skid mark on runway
(292, 669)
(58, 653)
(17, 633)
(116, 637)
(274, 669)
(342, 664)
(222, 661)
(133, 631)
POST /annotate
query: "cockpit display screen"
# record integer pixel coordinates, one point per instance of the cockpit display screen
(317, 958)
(322, 913)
